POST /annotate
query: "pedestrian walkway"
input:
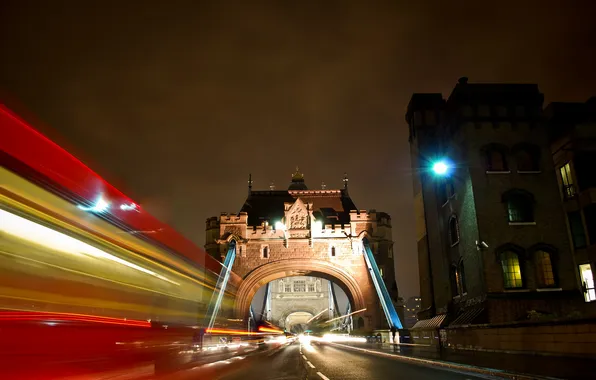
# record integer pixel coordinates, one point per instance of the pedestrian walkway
(539, 365)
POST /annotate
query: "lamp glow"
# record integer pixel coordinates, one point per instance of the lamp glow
(280, 226)
(440, 168)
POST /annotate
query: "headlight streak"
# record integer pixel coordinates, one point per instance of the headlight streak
(38, 234)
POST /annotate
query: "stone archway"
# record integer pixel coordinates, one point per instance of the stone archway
(296, 267)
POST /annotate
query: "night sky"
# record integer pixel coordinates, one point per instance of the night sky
(175, 102)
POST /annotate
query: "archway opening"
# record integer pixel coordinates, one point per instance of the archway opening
(303, 303)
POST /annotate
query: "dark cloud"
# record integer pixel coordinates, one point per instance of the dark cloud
(177, 101)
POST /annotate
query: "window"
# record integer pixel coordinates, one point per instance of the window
(265, 251)
(453, 278)
(512, 275)
(390, 252)
(545, 276)
(527, 157)
(578, 236)
(520, 206)
(288, 288)
(299, 286)
(453, 230)
(311, 287)
(567, 179)
(461, 278)
(587, 277)
(495, 157)
(332, 251)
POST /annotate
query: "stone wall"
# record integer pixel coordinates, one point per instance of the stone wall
(564, 338)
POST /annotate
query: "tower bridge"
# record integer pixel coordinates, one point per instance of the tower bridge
(313, 234)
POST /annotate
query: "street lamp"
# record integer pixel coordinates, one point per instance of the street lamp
(441, 168)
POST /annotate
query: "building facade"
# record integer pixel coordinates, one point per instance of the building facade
(306, 232)
(572, 128)
(492, 241)
(412, 308)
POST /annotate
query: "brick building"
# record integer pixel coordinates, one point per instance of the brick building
(492, 241)
(306, 232)
(572, 128)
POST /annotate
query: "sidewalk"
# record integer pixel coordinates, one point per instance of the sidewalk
(538, 365)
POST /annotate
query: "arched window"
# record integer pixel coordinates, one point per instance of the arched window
(512, 273)
(496, 158)
(545, 276)
(454, 281)
(527, 157)
(332, 251)
(453, 230)
(520, 206)
(265, 251)
(461, 276)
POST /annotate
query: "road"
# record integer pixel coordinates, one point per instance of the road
(325, 362)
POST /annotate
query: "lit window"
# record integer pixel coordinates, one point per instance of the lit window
(544, 268)
(567, 179)
(453, 231)
(520, 206)
(587, 277)
(512, 276)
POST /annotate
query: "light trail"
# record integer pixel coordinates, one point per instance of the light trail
(347, 315)
(316, 316)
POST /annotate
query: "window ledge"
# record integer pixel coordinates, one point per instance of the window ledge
(498, 172)
(529, 171)
(522, 223)
(454, 244)
(549, 290)
(517, 290)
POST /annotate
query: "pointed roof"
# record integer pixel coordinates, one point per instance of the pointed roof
(297, 181)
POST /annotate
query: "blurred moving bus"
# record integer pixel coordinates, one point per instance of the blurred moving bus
(88, 279)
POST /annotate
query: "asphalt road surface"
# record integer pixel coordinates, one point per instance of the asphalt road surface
(325, 362)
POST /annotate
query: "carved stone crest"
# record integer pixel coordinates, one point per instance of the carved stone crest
(298, 219)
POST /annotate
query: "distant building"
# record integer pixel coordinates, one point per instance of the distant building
(411, 312)
(572, 128)
(492, 238)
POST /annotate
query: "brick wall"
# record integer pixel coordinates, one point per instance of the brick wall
(565, 338)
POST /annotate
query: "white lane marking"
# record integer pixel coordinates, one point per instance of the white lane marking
(310, 364)
(322, 376)
(304, 357)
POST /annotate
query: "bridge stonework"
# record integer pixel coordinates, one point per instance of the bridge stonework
(289, 233)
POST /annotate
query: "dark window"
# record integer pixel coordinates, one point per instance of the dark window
(545, 276)
(333, 251)
(265, 252)
(454, 281)
(520, 206)
(240, 251)
(590, 215)
(495, 156)
(360, 323)
(577, 229)
(527, 157)
(453, 230)
(512, 273)
(462, 278)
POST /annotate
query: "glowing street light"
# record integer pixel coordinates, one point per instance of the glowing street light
(441, 168)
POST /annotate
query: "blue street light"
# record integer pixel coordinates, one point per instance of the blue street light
(441, 168)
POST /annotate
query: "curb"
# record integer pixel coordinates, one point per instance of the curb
(451, 366)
